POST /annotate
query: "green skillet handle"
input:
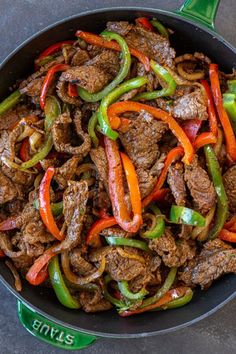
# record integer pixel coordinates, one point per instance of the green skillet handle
(50, 332)
(203, 11)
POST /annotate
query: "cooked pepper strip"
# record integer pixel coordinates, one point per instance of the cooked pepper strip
(93, 238)
(158, 230)
(231, 223)
(166, 77)
(123, 286)
(210, 108)
(128, 106)
(56, 208)
(72, 90)
(172, 156)
(2, 254)
(145, 23)
(161, 29)
(180, 302)
(38, 272)
(204, 139)
(116, 189)
(94, 39)
(170, 296)
(44, 202)
(183, 215)
(222, 201)
(229, 103)
(117, 302)
(121, 241)
(227, 235)
(191, 128)
(112, 97)
(59, 286)
(224, 119)
(54, 48)
(91, 128)
(10, 101)
(48, 80)
(123, 72)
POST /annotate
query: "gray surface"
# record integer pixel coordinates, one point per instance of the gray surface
(19, 19)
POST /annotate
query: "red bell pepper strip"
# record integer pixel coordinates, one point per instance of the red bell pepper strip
(9, 224)
(231, 223)
(48, 80)
(224, 119)
(2, 254)
(116, 188)
(94, 39)
(120, 107)
(191, 128)
(145, 23)
(72, 90)
(172, 156)
(168, 297)
(38, 272)
(227, 235)
(210, 108)
(54, 48)
(204, 139)
(44, 204)
(93, 238)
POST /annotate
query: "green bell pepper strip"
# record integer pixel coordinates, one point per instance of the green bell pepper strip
(125, 291)
(91, 128)
(183, 215)
(232, 86)
(10, 101)
(121, 241)
(222, 200)
(118, 303)
(111, 98)
(180, 302)
(123, 72)
(59, 285)
(56, 208)
(164, 75)
(52, 111)
(159, 26)
(161, 292)
(229, 103)
(159, 228)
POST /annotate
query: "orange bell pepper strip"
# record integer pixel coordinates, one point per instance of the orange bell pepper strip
(9, 224)
(38, 272)
(168, 297)
(172, 156)
(227, 235)
(44, 204)
(72, 90)
(210, 108)
(224, 119)
(48, 80)
(97, 40)
(93, 238)
(204, 139)
(116, 189)
(120, 107)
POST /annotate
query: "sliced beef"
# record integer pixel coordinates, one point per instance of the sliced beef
(120, 27)
(66, 172)
(8, 191)
(8, 119)
(63, 132)
(115, 231)
(175, 179)
(18, 177)
(200, 187)
(216, 259)
(79, 263)
(94, 302)
(151, 44)
(62, 91)
(99, 158)
(173, 253)
(33, 89)
(80, 57)
(146, 180)
(229, 180)
(190, 106)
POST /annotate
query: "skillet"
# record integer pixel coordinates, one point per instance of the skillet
(38, 311)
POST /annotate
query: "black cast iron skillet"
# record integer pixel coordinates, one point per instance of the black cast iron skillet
(38, 308)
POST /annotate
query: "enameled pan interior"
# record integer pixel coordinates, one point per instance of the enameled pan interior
(187, 37)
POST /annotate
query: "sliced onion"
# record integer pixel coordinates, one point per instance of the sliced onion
(14, 165)
(217, 147)
(200, 232)
(27, 131)
(197, 75)
(15, 274)
(85, 167)
(73, 278)
(35, 140)
(125, 254)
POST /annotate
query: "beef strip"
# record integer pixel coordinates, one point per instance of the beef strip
(33, 89)
(80, 57)
(216, 258)
(200, 187)
(62, 91)
(229, 179)
(62, 133)
(173, 253)
(66, 172)
(80, 265)
(8, 191)
(115, 231)
(99, 158)
(94, 302)
(175, 179)
(120, 27)
(8, 119)
(190, 106)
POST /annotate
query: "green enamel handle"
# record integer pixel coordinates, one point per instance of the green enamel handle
(50, 332)
(203, 11)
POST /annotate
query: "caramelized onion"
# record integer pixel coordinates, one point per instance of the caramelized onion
(194, 76)
(18, 284)
(125, 254)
